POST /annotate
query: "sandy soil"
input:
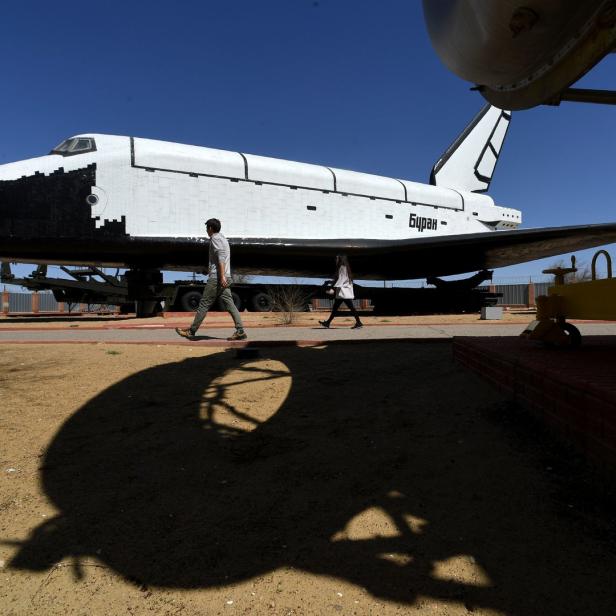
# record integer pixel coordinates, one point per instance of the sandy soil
(381, 479)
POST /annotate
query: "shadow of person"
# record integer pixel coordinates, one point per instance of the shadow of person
(371, 465)
(199, 337)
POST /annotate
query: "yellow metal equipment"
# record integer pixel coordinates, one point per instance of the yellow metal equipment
(592, 299)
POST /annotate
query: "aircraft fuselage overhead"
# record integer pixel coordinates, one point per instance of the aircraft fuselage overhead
(524, 54)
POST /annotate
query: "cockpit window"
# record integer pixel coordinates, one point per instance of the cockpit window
(62, 147)
(75, 145)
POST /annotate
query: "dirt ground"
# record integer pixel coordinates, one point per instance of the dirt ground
(377, 479)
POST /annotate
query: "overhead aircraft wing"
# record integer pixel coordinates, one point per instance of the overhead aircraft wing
(522, 54)
(370, 259)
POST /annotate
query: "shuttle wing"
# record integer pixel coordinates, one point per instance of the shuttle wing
(418, 258)
(371, 259)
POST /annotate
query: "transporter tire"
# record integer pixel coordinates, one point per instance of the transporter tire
(237, 300)
(190, 300)
(261, 302)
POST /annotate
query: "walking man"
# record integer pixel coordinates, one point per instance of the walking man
(217, 286)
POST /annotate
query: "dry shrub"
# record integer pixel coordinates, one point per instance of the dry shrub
(287, 301)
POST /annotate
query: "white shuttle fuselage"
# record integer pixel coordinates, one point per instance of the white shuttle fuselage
(141, 204)
(162, 189)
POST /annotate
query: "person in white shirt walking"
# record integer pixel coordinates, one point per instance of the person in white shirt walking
(217, 286)
(343, 284)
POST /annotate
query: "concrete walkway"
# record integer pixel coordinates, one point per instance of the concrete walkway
(216, 336)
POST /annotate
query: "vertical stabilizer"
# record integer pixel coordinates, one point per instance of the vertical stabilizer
(468, 163)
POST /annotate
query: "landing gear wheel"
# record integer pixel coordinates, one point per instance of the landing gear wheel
(573, 333)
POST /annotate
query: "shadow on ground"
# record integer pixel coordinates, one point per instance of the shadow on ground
(373, 465)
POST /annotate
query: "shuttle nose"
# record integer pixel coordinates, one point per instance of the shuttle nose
(10, 171)
(40, 198)
(30, 166)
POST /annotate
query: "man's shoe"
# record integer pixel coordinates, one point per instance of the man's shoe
(324, 324)
(357, 326)
(185, 333)
(238, 336)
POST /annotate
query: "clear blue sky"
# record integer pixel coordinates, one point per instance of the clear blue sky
(349, 83)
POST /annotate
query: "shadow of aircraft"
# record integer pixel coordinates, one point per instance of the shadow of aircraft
(362, 471)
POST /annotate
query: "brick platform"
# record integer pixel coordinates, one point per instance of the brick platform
(572, 392)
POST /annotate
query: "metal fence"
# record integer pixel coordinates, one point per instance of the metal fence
(47, 303)
(512, 295)
(26, 302)
(541, 288)
(20, 302)
(326, 304)
(518, 294)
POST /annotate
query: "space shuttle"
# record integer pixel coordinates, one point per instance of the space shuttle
(141, 204)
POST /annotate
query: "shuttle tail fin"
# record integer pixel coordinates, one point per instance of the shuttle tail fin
(468, 163)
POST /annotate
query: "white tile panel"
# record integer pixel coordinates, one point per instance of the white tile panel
(168, 204)
(290, 173)
(188, 158)
(353, 182)
(477, 200)
(433, 195)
